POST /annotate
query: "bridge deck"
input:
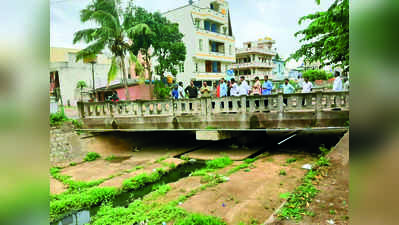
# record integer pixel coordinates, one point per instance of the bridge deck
(293, 111)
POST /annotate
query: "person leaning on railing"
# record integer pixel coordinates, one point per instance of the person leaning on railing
(287, 89)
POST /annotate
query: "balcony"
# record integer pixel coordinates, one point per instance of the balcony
(210, 14)
(253, 65)
(209, 75)
(215, 35)
(255, 50)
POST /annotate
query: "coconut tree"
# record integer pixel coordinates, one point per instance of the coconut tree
(109, 34)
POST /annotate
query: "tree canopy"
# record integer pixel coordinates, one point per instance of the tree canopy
(164, 37)
(109, 34)
(326, 39)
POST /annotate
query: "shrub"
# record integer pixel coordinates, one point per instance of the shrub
(58, 118)
(77, 124)
(316, 75)
(282, 173)
(219, 163)
(91, 156)
(161, 90)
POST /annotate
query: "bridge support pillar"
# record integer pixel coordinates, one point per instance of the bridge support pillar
(213, 135)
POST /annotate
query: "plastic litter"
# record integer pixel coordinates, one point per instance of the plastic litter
(180, 203)
(192, 160)
(307, 167)
(330, 221)
(163, 223)
(224, 205)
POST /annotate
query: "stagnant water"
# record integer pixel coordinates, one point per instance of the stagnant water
(83, 217)
(280, 143)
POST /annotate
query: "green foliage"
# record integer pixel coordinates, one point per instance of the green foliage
(63, 203)
(326, 39)
(184, 157)
(298, 201)
(199, 219)
(111, 158)
(142, 179)
(316, 75)
(72, 164)
(324, 151)
(139, 212)
(81, 84)
(219, 163)
(291, 160)
(161, 90)
(282, 173)
(91, 156)
(77, 124)
(166, 40)
(58, 118)
(162, 189)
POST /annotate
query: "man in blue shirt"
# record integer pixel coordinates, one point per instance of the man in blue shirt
(287, 89)
(175, 92)
(267, 86)
(223, 88)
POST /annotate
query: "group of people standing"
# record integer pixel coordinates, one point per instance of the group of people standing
(223, 89)
(241, 88)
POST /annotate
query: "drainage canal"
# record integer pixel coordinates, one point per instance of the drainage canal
(83, 217)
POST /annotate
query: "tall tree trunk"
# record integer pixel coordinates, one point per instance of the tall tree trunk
(127, 95)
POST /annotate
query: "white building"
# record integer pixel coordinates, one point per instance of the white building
(65, 73)
(208, 38)
(255, 59)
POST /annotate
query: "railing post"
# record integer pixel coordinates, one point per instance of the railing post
(81, 109)
(204, 108)
(319, 104)
(280, 102)
(243, 100)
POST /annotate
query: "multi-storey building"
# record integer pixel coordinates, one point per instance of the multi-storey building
(208, 37)
(255, 59)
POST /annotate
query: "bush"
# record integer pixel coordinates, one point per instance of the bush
(161, 90)
(58, 118)
(317, 75)
(91, 156)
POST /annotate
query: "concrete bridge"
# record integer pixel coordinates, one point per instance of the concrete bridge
(278, 111)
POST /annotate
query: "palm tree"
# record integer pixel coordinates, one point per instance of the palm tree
(109, 34)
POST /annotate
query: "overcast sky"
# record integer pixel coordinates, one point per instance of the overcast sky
(251, 19)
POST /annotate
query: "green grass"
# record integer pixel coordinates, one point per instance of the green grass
(111, 158)
(63, 203)
(219, 163)
(91, 156)
(297, 203)
(291, 160)
(282, 173)
(155, 213)
(142, 179)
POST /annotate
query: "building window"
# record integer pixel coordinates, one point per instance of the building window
(230, 50)
(200, 44)
(207, 25)
(213, 66)
(196, 67)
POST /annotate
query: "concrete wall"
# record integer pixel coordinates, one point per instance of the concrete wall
(136, 92)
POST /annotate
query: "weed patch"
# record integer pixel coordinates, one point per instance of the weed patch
(91, 156)
(298, 201)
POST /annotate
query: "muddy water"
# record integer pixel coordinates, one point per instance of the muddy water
(181, 171)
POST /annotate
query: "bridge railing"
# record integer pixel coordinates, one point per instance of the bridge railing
(316, 101)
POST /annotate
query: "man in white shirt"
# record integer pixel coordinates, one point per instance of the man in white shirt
(306, 88)
(337, 86)
(244, 87)
(234, 91)
(180, 89)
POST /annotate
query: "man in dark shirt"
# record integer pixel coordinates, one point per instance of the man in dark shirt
(192, 90)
